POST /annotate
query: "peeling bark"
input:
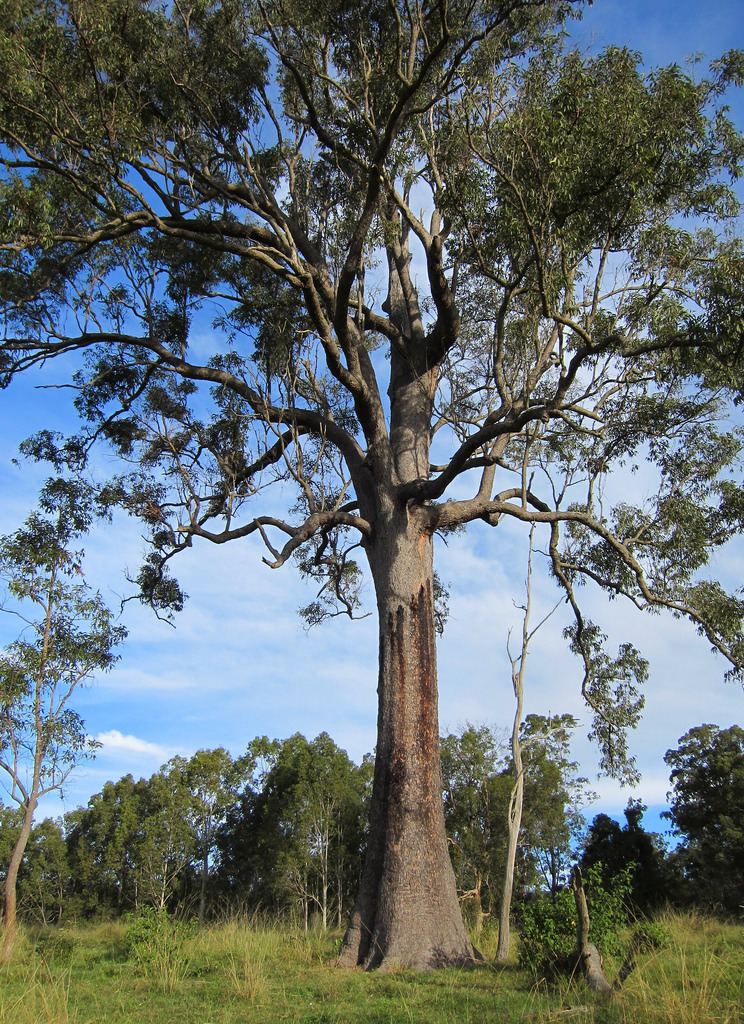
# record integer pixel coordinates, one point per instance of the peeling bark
(407, 912)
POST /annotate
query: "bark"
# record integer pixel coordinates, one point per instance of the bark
(515, 804)
(515, 824)
(516, 801)
(10, 887)
(203, 889)
(407, 911)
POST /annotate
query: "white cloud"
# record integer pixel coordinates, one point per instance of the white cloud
(115, 741)
(651, 790)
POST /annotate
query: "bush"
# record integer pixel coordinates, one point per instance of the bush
(156, 943)
(548, 930)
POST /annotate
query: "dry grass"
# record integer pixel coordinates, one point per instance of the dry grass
(251, 972)
(697, 979)
(44, 996)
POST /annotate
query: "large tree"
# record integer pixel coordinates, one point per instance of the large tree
(455, 275)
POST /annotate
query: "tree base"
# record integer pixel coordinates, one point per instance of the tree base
(411, 946)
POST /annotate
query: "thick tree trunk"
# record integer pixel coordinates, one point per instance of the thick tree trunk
(9, 889)
(407, 911)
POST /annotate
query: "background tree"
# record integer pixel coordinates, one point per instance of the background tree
(476, 798)
(102, 845)
(137, 843)
(44, 881)
(707, 812)
(296, 838)
(554, 796)
(478, 781)
(615, 849)
(213, 779)
(166, 843)
(261, 165)
(10, 823)
(68, 636)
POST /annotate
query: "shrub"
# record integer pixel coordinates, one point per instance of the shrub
(156, 943)
(548, 930)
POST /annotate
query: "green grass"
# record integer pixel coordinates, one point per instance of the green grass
(252, 973)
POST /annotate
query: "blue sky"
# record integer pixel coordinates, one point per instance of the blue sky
(240, 664)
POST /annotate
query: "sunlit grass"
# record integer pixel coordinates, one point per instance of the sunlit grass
(698, 979)
(252, 971)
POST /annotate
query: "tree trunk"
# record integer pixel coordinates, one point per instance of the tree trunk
(203, 888)
(407, 911)
(589, 956)
(9, 889)
(515, 823)
(516, 801)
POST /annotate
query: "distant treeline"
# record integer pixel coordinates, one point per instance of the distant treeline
(281, 830)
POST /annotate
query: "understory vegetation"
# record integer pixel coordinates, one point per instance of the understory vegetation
(155, 970)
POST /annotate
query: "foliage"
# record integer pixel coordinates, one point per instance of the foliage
(10, 822)
(69, 635)
(213, 779)
(547, 944)
(476, 796)
(44, 883)
(295, 839)
(618, 848)
(165, 841)
(554, 796)
(477, 780)
(707, 812)
(102, 847)
(156, 944)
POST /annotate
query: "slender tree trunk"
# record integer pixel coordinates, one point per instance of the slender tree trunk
(407, 911)
(203, 889)
(515, 823)
(10, 887)
(516, 800)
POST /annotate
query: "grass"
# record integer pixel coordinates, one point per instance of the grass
(249, 972)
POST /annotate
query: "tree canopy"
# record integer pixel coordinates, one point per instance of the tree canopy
(67, 635)
(455, 272)
(706, 805)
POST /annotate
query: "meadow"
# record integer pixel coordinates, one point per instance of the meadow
(253, 972)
